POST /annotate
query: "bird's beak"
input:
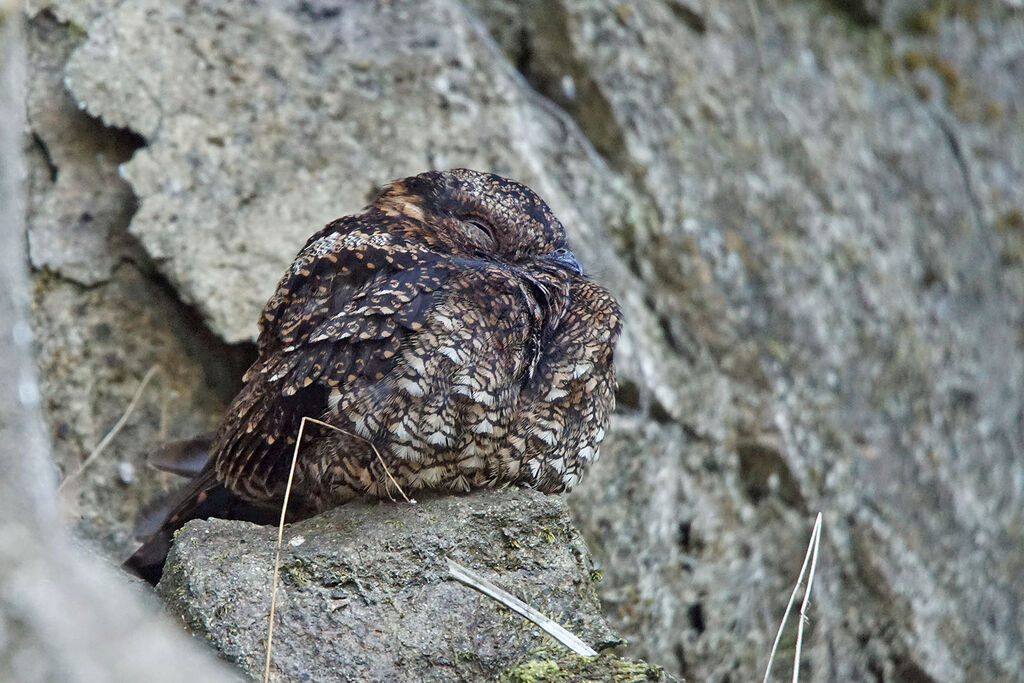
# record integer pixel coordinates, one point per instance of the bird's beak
(564, 258)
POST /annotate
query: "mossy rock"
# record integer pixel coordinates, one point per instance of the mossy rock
(548, 667)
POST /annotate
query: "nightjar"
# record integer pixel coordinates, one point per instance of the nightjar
(447, 331)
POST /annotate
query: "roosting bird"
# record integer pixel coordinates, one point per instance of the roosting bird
(447, 333)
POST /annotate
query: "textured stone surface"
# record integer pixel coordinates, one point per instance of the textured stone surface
(102, 316)
(811, 212)
(339, 105)
(79, 208)
(843, 223)
(692, 568)
(99, 344)
(365, 592)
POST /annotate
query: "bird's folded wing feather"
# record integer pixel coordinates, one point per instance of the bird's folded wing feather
(414, 351)
(339, 315)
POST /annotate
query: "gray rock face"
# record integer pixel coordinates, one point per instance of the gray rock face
(867, 321)
(340, 106)
(79, 206)
(365, 592)
(811, 212)
(102, 319)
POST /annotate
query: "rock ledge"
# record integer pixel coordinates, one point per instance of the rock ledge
(365, 593)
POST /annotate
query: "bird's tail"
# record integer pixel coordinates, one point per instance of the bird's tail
(201, 498)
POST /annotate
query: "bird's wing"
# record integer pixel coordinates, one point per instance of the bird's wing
(339, 316)
(333, 269)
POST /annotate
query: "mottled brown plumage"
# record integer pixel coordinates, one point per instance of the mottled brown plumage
(448, 326)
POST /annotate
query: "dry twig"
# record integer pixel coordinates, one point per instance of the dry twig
(105, 441)
(555, 630)
(811, 557)
(284, 513)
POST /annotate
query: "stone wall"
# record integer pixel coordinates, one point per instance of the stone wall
(812, 213)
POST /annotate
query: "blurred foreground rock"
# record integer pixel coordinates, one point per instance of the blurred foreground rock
(63, 614)
(365, 592)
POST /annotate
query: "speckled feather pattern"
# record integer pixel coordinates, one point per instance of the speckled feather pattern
(448, 326)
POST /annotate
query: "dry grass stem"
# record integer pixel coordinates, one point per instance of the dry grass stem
(277, 554)
(815, 542)
(284, 513)
(375, 452)
(105, 441)
(810, 558)
(555, 630)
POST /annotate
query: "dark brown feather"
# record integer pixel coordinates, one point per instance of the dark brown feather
(449, 329)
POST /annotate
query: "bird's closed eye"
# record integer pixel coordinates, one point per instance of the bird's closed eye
(481, 233)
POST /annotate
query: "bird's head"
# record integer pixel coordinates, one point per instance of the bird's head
(481, 215)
